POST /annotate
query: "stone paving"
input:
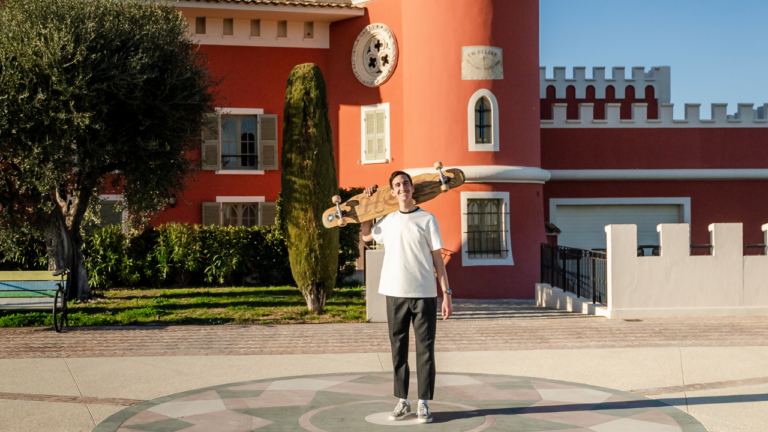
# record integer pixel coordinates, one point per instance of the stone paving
(362, 401)
(452, 335)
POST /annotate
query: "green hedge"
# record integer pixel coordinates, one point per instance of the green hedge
(180, 254)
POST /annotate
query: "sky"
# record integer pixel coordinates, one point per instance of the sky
(717, 49)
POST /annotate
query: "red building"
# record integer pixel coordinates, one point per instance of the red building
(412, 82)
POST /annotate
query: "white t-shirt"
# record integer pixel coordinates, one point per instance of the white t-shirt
(408, 239)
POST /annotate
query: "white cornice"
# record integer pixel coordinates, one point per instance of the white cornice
(659, 174)
(494, 173)
(331, 12)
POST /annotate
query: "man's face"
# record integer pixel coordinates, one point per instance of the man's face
(402, 189)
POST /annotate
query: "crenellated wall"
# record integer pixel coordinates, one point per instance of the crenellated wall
(657, 77)
(745, 117)
(677, 284)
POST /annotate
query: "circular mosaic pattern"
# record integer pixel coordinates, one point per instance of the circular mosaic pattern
(362, 401)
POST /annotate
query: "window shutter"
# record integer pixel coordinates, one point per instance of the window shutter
(381, 135)
(268, 142)
(370, 135)
(211, 142)
(211, 213)
(267, 211)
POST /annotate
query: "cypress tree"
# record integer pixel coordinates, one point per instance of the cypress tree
(308, 184)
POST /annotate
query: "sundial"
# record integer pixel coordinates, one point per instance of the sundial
(481, 63)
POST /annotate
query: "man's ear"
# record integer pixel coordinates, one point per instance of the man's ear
(392, 191)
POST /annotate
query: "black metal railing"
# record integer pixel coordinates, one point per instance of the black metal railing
(582, 272)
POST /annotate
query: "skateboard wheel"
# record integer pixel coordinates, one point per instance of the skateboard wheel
(342, 223)
(336, 199)
(444, 188)
(438, 165)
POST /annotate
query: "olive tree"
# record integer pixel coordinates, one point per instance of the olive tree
(308, 184)
(94, 94)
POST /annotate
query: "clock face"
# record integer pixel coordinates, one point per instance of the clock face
(481, 63)
(374, 55)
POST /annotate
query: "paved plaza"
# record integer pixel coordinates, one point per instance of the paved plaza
(522, 373)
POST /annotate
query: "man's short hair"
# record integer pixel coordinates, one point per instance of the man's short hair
(397, 173)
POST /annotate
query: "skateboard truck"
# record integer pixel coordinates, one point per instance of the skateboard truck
(443, 180)
(339, 215)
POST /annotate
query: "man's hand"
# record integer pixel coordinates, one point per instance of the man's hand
(370, 191)
(447, 306)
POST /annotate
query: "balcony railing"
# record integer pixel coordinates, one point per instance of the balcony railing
(579, 271)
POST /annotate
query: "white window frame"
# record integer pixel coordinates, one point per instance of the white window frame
(236, 200)
(494, 144)
(683, 202)
(238, 111)
(240, 199)
(466, 261)
(117, 198)
(363, 109)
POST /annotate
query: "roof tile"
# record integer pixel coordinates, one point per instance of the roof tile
(305, 3)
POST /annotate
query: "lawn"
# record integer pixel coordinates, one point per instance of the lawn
(235, 305)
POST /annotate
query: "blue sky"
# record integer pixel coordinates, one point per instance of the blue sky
(718, 49)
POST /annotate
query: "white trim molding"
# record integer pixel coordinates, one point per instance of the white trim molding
(683, 202)
(745, 117)
(240, 172)
(660, 174)
(110, 197)
(466, 261)
(239, 111)
(493, 173)
(363, 109)
(333, 13)
(494, 144)
(240, 199)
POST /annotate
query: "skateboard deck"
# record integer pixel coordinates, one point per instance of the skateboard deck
(361, 208)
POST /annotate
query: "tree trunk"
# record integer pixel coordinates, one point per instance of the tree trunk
(315, 298)
(65, 251)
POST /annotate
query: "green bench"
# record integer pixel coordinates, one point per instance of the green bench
(35, 290)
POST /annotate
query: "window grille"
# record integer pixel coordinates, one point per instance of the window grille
(486, 233)
(240, 215)
(483, 115)
(238, 142)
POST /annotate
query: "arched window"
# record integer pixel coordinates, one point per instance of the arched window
(483, 121)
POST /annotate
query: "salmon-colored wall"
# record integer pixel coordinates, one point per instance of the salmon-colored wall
(647, 148)
(253, 77)
(711, 201)
(625, 112)
(436, 97)
(428, 118)
(526, 235)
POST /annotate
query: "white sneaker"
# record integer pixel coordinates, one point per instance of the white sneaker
(402, 409)
(424, 415)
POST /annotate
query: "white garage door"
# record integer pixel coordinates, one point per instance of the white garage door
(583, 226)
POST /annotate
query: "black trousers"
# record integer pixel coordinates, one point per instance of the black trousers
(422, 312)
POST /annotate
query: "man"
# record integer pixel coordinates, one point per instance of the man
(411, 238)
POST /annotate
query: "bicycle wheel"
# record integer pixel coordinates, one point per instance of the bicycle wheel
(59, 312)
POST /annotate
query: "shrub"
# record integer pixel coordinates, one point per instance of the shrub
(103, 251)
(22, 252)
(178, 252)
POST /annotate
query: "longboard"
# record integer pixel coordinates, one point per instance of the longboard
(361, 208)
